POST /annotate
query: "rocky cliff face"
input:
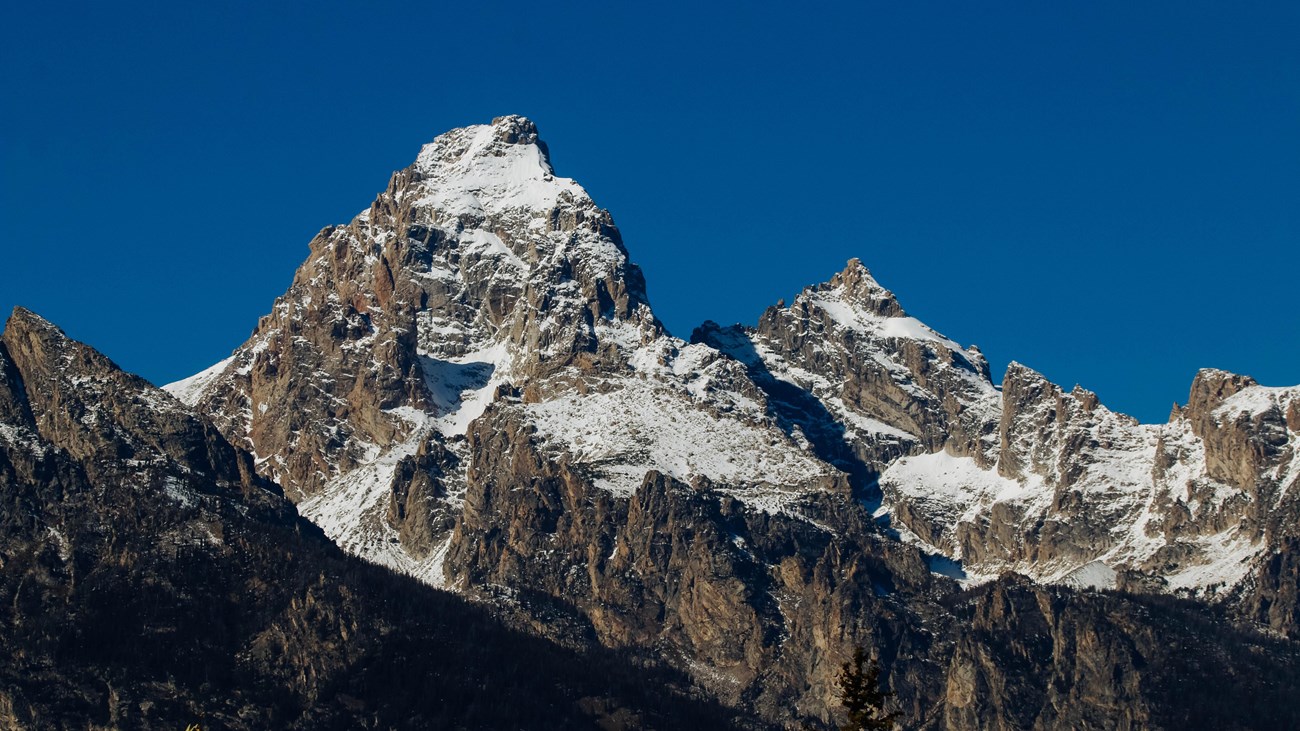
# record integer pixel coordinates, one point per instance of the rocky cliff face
(466, 383)
(761, 604)
(1083, 495)
(1029, 656)
(149, 578)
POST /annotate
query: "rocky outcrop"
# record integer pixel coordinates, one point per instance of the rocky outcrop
(1028, 656)
(1015, 626)
(1086, 496)
(1043, 431)
(1246, 437)
(770, 605)
(418, 508)
(103, 415)
(1271, 595)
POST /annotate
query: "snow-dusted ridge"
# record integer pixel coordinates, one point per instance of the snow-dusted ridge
(1145, 495)
(672, 417)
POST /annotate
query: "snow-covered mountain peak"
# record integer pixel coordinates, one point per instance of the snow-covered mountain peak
(486, 200)
(476, 268)
(490, 169)
(504, 136)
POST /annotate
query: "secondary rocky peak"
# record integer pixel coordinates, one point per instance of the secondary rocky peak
(26, 324)
(856, 285)
(853, 303)
(1033, 409)
(1020, 375)
(1248, 431)
(33, 341)
(32, 348)
(1043, 428)
(14, 410)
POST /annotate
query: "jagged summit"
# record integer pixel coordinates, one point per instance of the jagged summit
(852, 299)
(24, 320)
(490, 169)
(464, 144)
(856, 285)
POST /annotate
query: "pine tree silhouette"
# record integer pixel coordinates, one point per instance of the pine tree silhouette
(859, 691)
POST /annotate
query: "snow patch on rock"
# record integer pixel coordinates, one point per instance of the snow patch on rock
(638, 426)
(190, 390)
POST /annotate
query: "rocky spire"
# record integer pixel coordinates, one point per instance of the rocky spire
(862, 290)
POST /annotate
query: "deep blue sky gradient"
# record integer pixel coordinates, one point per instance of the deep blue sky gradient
(1106, 192)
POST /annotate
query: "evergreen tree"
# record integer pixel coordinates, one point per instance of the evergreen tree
(859, 691)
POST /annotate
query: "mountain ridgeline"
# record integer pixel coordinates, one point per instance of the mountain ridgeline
(466, 385)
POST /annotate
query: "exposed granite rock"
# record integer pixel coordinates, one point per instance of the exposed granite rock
(14, 409)
(771, 605)
(102, 414)
(1087, 496)
(417, 508)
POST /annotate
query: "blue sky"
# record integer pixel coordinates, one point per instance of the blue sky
(1106, 192)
